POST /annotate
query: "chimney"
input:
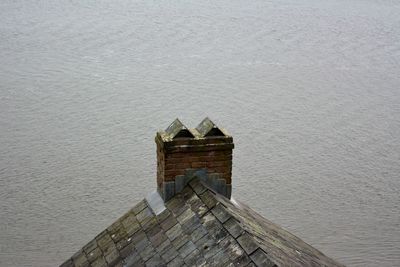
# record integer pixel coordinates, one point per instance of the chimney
(204, 152)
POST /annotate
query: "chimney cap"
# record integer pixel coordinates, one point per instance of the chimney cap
(207, 128)
(178, 130)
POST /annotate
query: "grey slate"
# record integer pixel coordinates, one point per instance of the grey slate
(197, 227)
(221, 213)
(177, 262)
(233, 227)
(247, 243)
(260, 258)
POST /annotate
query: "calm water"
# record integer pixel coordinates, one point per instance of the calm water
(310, 90)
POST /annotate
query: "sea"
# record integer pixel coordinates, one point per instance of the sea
(309, 90)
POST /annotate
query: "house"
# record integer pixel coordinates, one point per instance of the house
(191, 219)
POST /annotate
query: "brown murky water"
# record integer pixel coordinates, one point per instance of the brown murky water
(309, 89)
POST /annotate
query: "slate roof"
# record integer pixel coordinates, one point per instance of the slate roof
(197, 227)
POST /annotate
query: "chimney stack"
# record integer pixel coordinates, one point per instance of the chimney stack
(204, 152)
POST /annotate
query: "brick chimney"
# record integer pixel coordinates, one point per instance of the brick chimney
(204, 152)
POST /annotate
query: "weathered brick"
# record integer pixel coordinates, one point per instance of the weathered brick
(199, 164)
(170, 166)
(172, 173)
(183, 165)
(176, 155)
(223, 169)
(222, 157)
(218, 163)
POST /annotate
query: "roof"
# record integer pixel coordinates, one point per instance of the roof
(197, 227)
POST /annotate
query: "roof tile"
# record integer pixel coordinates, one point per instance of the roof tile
(220, 212)
(169, 254)
(197, 228)
(260, 258)
(197, 186)
(155, 261)
(123, 242)
(233, 227)
(133, 259)
(158, 238)
(90, 246)
(144, 216)
(164, 246)
(247, 243)
(208, 198)
(67, 263)
(180, 241)
(177, 262)
(80, 259)
(100, 262)
(139, 207)
(208, 246)
(177, 205)
(132, 228)
(128, 251)
(198, 233)
(186, 249)
(191, 225)
(174, 232)
(195, 258)
(185, 216)
(113, 257)
(94, 254)
(147, 252)
(169, 222)
(163, 215)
